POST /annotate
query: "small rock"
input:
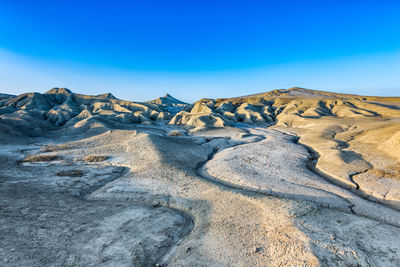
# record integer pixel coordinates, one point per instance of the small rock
(157, 205)
(258, 249)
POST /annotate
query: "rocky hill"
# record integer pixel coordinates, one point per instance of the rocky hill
(33, 113)
(285, 107)
(168, 100)
(169, 104)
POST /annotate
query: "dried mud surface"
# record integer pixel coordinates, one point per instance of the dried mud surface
(285, 178)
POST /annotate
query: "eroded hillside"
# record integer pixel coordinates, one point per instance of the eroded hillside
(288, 177)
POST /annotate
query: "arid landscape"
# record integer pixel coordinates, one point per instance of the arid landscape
(289, 177)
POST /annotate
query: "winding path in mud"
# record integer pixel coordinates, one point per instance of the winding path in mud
(276, 165)
(213, 220)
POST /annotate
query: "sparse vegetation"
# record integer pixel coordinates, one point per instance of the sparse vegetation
(95, 158)
(175, 133)
(71, 173)
(392, 171)
(40, 158)
(52, 148)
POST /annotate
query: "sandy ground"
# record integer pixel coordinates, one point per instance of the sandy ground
(46, 221)
(237, 196)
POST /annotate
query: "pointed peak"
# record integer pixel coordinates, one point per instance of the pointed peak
(168, 96)
(56, 90)
(298, 88)
(107, 95)
(168, 100)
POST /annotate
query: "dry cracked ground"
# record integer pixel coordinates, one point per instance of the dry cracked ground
(292, 177)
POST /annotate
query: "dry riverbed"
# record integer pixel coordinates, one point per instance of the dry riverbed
(238, 196)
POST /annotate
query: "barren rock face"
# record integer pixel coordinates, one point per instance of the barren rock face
(291, 177)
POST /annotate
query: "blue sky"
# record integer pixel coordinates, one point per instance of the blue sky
(139, 50)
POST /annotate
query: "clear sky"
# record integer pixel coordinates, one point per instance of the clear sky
(139, 50)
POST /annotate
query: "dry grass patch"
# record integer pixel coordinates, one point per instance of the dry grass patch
(71, 173)
(40, 158)
(392, 171)
(175, 133)
(95, 158)
(52, 148)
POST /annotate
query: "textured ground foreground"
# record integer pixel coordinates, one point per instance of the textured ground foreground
(289, 182)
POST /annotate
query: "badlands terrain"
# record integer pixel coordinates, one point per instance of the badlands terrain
(292, 177)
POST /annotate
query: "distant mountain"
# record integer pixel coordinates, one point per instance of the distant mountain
(284, 106)
(167, 100)
(169, 104)
(64, 91)
(107, 95)
(298, 92)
